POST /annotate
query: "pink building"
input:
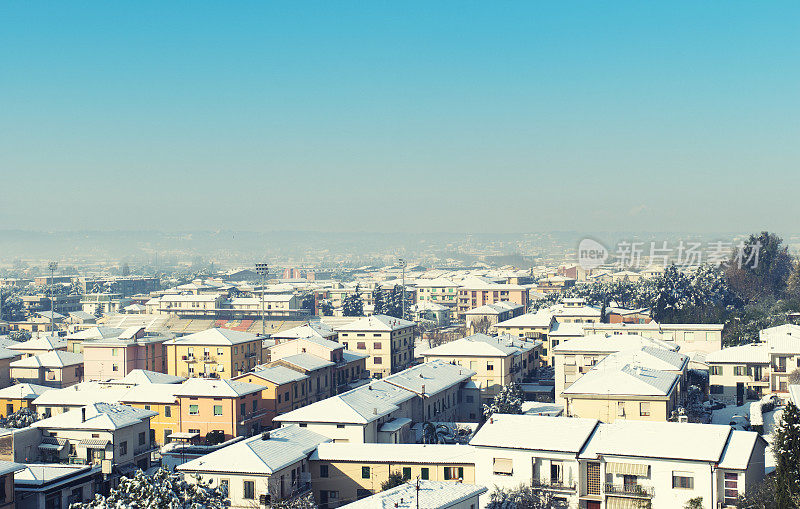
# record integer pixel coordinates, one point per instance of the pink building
(114, 358)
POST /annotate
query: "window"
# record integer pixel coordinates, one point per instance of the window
(114, 351)
(194, 409)
(361, 346)
(453, 473)
(114, 367)
(556, 472)
(716, 389)
(123, 448)
(715, 370)
(219, 351)
(503, 466)
(489, 366)
(424, 473)
(323, 470)
(683, 480)
(377, 345)
(340, 426)
(365, 472)
(167, 411)
(217, 409)
(255, 405)
(377, 360)
(249, 490)
(224, 483)
(242, 408)
(141, 438)
(739, 371)
(620, 409)
(731, 488)
(406, 473)
(644, 408)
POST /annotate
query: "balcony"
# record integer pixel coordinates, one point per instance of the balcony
(779, 369)
(554, 485)
(630, 490)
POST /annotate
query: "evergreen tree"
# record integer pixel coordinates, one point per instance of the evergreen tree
(395, 479)
(353, 305)
(786, 447)
(507, 401)
(379, 299)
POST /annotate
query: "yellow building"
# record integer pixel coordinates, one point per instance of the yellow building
(158, 398)
(343, 473)
(388, 341)
(19, 396)
(497, 361)
(213, 353)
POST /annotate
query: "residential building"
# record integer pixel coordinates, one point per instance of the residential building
(575, 310)
(100, 304)
(481, 318)
(213, 353)
(689, 337)
(441, 291)
(260, 470)
(554, 284)
(57, 368)
(6, 358)
(161, 399)
(425, 495)
(496, 361)
(284, 390)
(315, 329)
(427, 311)
(9, 471)
(76, 339)
(320, 382)
(113, 358)
(344, 473)
(19, 396)
(476, 291)
(388, 341)
(530, 326)
(229, 408)
(39, 345)
(383, 411)
(46, 486)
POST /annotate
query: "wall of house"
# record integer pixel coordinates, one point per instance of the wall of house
(225, 361)
(607, 409)
(228, 421)
(10, 405)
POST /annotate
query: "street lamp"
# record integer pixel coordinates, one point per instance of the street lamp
(403, 266)
(262, 270)
(52, 266)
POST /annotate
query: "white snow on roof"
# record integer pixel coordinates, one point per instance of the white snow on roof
(752, 353)
(278, 374)
(51, 359)
(375, 323)
(739, 449)
(609, 343)
(101, 416)
(395, 453)
(432, 495)
(626, 381)
(222, 387)
(216, 336)
(534, 432)
(23, 391)
(480, 345)
(252, 456)
(541, 318)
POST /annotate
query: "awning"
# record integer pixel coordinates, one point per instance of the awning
(52, 447)
(183, 435)
(94, 443)
(627, 469)
(624, 503)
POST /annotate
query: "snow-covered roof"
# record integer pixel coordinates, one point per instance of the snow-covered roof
(38, 474)
(256, 455)
(565, 329)
(395, 453)
(278, 374)
(51, 359)
(430, 377)
(144, 376)
(99, 332)
(534, 432)
(438, 282)
(23, 391)
(84, 393)
(430, 495)
(214, 337)
(222, 387)
(738, 450)
(150, 393)
(541, 318)
(668, 440)
(648, 357)
(494, 309)
(308, 330)
(42, 343)
(306, 361)
(626, 381)
(751, 354)
(102, 416)
(381, 323)
(608, 343)
(477, 345)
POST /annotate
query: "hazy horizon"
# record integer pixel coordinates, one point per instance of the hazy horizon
(413, 117)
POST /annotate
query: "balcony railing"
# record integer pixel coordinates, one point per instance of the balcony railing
(555, 485)
(779, 369)
(630, 490)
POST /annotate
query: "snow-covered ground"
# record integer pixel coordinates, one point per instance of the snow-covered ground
(741, 415)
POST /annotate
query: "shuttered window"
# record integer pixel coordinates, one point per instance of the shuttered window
(503, 466)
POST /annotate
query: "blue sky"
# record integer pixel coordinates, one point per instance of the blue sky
(400, 116)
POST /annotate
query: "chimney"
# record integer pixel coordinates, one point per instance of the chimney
(375, 410)
(265, 435)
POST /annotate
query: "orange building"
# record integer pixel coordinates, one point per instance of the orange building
(283, 389)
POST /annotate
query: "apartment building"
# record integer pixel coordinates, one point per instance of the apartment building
(57, 368)
(39, 345)
(689, 337)
(344, 473)
(433, 494)
(588, 464)
(388, 341)
(315, 329)
(496, 361)
(284, 389)
(490, 314)
(573, 358)
(441, 291)
(383, 411)
(115, 357)
(228, 407)
(19, 396)
(260, 470)
(530, 326)
(320, 382)
(575, 310)
(213, 353)
(629, 392)
(161, 399)
(554, 284)
(476, 291)
(76, 339)
(750, 371)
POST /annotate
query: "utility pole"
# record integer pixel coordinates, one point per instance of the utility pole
(403, 298)
(262, 269)
(417, 492)
(52, 266)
